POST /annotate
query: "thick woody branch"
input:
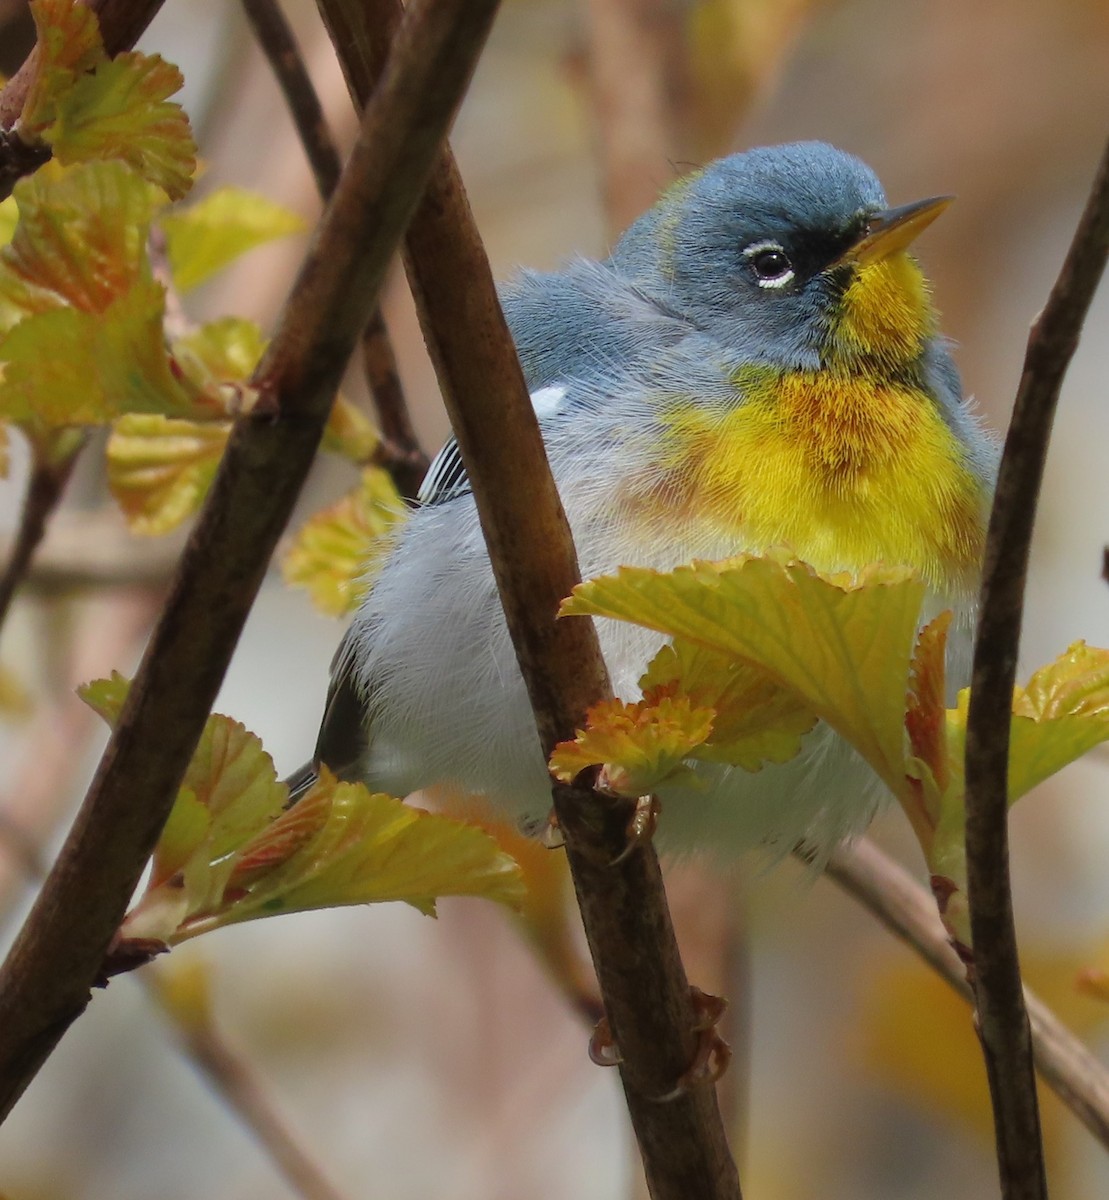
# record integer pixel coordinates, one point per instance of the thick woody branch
(400, 453)
(908, 911)
(627, 922)
(1002, 1019)
(44, 984)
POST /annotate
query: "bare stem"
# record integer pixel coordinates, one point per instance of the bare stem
(231, 1074)
(1002, 1018)
(44, 984)
(908, 910)
(49, 475)
(635, 47)
(627, 922)
(400, 454)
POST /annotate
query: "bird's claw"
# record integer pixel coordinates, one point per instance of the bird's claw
(641, 826)
(602, 1049)
(710, 1061)
(551, 836)
(713, 1054)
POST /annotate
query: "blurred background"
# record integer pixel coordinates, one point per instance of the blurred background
(414, 1058)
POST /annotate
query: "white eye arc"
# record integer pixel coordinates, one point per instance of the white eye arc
(771, 264)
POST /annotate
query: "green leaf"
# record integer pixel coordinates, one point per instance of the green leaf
(120, 110)
(208, 235)
(160, 468)
(842, 645)
(69, 367)
(336, 553)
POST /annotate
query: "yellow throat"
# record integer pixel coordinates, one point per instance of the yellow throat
(848, 465)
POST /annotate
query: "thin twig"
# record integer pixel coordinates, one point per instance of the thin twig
(233, 1076)
(908, 910)
(45, 485)
(1002, 1019)
(44, 984)
(400, 452)
(122, 22)
(623, 904)
(633, 48)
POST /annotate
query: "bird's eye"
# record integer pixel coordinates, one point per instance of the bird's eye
(771, 264)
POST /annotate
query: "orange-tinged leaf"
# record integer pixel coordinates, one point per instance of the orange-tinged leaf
(336, 553)
(757, 720)
(842, 645)
(279, 841)
(370, 848)
(120, 110)
(925, 716)
(210, 234)
(69, 44)
(160, 468)
(80, 240)
(639, 744)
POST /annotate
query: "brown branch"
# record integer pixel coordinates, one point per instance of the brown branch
(44, 984)
(122, 23)
(908, 910)
(231, 1074)
(50, 473)
(1002, 1019)
(400, 450)
(627, 922)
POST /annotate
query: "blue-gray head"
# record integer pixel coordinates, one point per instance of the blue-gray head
(790, 255)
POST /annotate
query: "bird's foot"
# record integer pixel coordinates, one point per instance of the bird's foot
(710, 1061)
(641, 826)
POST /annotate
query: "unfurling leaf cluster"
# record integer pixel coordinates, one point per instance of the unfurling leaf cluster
(233, 851)
(765, 647)
(89, 245)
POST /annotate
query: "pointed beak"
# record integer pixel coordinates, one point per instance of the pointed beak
(893, 229)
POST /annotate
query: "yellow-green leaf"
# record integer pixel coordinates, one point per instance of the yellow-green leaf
(15, 699)
(106, 696)
(350, 432)
(639, 745)
(756, 721)
(205, 237)
(222, 352)
(69, 367)
(365, 848)
(842, 645)
(336, 553)
(121, 110)
(160, 468)
(9, 214)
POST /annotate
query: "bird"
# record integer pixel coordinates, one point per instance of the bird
(757, 364)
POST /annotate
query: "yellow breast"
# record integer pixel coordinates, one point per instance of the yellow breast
(843, 469)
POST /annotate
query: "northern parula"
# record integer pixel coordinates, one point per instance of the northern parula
(756, 365)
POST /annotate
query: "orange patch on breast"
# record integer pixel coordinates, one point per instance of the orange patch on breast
(844, 470)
